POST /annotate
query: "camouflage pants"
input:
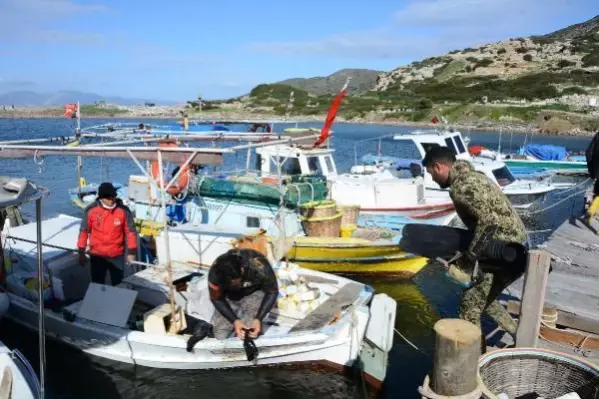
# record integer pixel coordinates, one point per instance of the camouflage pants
(482, 297)
(245, 309)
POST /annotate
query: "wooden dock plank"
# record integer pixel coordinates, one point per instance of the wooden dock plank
(573, 286)
(327, 311)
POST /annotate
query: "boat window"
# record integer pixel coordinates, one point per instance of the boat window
(291, 166)
(329, 160)
(503, 176)
(460, 144)
(449, 143)
(314, 166)
(252, 222)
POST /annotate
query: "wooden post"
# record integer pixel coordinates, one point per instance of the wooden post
(455, 368)
(533, 298)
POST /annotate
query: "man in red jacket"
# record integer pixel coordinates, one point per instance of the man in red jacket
(109, 225)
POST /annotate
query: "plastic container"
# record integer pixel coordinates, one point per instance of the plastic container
(347, 230)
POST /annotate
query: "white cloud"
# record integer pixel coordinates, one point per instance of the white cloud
(37, 20)
(427, 27)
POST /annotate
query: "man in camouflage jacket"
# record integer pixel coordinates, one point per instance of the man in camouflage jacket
(480, 203)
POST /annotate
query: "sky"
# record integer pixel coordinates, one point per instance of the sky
(178, 50)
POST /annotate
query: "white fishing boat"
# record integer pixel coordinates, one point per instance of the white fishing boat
(380, 194)
(146, 321)
(17, 377)
(348, 323)
(522, 193)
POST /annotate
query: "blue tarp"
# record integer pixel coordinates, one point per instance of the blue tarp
(545, 152)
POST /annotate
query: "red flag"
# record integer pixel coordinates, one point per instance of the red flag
(435, 120)
(325, 132)
(69, 110)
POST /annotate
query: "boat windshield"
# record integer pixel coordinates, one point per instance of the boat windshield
(314, 165)
(503, 176)
(291, 166)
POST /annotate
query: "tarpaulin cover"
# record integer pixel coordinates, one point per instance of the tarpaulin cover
(545, 152)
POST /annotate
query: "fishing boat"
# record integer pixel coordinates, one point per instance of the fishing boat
(18, 378)
(124, 323)
(546, 156)
(371, 250)
(375, 194)
(354, 256)
(522, 193)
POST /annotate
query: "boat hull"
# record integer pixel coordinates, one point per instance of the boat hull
(353, 256)
(340, 346)
(396, 219)
(554, 165)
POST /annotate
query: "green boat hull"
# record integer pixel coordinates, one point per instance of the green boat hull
(299, 190)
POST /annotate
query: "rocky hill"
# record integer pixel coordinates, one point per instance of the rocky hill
(362, 80)
(564, 60)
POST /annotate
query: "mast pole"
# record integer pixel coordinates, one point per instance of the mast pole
(40, 292)
(169, 270)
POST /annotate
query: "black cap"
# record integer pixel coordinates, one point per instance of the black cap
(106, 190)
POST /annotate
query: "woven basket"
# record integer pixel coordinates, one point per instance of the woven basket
(318, 209)
(329, 226)
(350, 214)
(548, 374)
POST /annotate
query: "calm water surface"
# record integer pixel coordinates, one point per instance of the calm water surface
(420, 302)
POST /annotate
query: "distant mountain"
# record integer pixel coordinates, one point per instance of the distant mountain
(32, 99)
(363, 80)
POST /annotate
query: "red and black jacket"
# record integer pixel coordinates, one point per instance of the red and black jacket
(107, 230)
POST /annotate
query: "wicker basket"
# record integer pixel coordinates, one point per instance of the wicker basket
(329, 226)
(318, 209)
(350, 214)
(548, 374)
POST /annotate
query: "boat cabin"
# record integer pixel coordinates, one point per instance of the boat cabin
(497, 171)
(295, 160)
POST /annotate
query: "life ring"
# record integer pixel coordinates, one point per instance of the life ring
(181, 182)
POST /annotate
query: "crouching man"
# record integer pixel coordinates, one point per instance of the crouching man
(243, 289)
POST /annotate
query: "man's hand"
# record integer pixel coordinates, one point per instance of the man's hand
(238, 326)
(256, 328)
(82, 258)
(130, 258)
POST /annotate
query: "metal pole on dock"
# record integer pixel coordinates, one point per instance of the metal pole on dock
(40, 291)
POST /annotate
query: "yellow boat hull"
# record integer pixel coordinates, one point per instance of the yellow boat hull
(353, 256)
